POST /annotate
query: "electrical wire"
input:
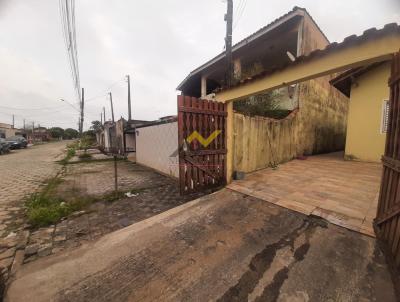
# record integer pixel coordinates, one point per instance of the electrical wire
(105, 92)
(240, 14)
(67, 12)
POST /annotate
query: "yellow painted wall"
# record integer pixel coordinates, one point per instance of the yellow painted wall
(364, 139)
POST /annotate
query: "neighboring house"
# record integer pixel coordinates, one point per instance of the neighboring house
(369, 109)
(317, 113)
(40, 134)
(157, 145)
(7, 130)
(119, 137)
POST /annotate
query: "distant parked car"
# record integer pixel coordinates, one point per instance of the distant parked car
(4, 146)
(17, 142)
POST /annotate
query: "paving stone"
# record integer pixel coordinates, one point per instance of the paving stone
(60, 238)
(8, 253)
(31, 249)
(8, 242)
(6, 263)
(45, 250)
(30, 259)
(23, 239)
(18, 260)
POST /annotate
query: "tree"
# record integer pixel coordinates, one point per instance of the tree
(96, 126)
(70, 133)
(56, 132)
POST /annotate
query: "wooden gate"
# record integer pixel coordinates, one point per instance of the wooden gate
(388, 216)
(202, 144)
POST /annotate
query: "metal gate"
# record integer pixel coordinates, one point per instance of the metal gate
(388, 216)
(202, 144)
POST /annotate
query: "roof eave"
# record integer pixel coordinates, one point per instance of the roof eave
(296, 12)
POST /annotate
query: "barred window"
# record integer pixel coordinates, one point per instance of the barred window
(385, 116)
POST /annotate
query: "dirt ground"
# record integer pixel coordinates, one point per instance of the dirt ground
(222, 247)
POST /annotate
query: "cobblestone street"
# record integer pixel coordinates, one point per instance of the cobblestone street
(22, 173)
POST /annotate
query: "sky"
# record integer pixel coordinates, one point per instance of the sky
(156, 42)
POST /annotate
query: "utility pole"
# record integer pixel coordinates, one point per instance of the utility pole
(82, 111)
(129, 98)
(104, 113)
(33, 132)
(114, 148)
(24, 127)
(228, 43)
(13, 124)
(112, 107)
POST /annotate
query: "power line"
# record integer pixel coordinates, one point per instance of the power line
(24, 109)
(240, 14)
(67, 12)
(105, 93)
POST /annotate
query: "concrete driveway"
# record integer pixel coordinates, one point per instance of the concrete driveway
(222, 247)
(343, 192)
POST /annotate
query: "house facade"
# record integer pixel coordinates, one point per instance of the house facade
(369, 97)
(317, 112)
(40, 134)
(119, 137)
(7, 130)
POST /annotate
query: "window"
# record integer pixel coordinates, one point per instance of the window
(385, 116)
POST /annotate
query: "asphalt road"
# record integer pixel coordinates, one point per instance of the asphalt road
(222, 247)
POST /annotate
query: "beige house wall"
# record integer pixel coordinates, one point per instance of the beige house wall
(157, 146)
(7, 132)
(365, 140)
(318, 126)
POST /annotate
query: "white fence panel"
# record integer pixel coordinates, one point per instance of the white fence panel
(157, 148)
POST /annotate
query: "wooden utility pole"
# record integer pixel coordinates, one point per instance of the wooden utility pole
(112, 107)
(129, 98)
(24, 127)
(13, 123)
(114, 149)
(82, 111)
(33, 132)
(228, 43)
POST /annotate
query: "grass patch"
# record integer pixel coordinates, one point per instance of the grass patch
(70, 154)
(46, 207)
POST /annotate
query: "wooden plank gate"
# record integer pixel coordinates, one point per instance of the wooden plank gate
(202, 144)
(388, 216)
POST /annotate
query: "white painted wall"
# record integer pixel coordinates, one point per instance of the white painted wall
(156, 147)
